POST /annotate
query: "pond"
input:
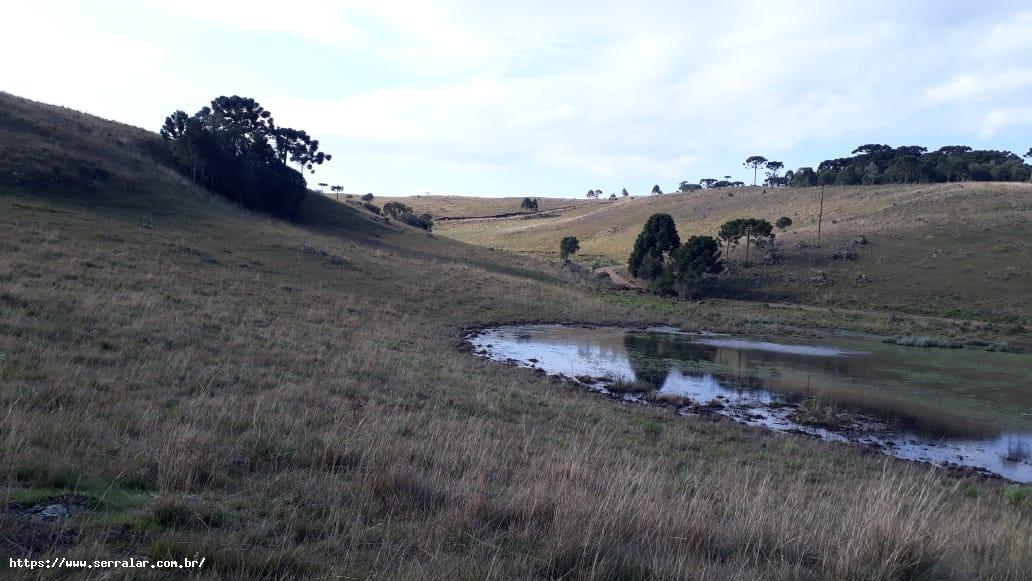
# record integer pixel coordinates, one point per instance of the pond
(949, 407)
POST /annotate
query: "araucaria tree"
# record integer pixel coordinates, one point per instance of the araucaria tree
(755, 162)
(657, 238)
(732, 232)
(625, 194)
(568, 246)
(692, 262)
(234, 148)
(529, 204)
(656, 190)
(773, 169)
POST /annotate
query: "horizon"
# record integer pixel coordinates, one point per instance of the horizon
(461, 99)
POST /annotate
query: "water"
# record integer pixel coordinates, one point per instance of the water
(946, 407)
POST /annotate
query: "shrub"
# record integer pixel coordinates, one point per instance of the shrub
(567, 246)
(403, 213)
(783, 222)
(367, 198)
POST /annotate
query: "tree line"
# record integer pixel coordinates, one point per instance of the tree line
(234, 148)
(874, 164)
(883, 164)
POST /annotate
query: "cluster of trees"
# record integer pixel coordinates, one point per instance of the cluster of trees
(732, 232)
(669, 266)
(529, 204)
(404, 213)
(879, 164)
(883, 164)
(235, 148)
(596, 194)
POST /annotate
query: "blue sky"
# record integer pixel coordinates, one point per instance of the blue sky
(546, 98)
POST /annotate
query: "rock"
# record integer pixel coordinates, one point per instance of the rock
(53, 511)
(844, 253)
(819, 278)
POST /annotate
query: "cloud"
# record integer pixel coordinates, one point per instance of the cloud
(551, 93)
(997, 120)
(975, 85)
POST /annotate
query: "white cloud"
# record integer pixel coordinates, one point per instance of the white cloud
(999, 119)
(612, 90)
(982, 84)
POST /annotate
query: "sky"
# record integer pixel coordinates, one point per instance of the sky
(543, 97)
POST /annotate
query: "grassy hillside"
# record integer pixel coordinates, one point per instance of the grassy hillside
(464, 207)
(287, 400)
(945, 249)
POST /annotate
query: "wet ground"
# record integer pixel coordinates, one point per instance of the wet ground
(950, 407)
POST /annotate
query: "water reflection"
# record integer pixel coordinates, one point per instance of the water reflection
(912, 396)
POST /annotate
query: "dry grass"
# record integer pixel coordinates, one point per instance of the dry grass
(216, 389)
(944, 249)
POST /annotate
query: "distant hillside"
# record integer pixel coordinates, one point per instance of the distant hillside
(961, 249)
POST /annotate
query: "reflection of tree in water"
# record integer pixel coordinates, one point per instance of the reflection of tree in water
(645, 353)
(1018, 450)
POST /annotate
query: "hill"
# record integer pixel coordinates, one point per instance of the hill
(939, 249)
(287, 399)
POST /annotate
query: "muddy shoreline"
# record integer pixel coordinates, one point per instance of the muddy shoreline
(868, 433)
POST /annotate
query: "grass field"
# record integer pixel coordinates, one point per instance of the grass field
(288, 400)
(938, 249)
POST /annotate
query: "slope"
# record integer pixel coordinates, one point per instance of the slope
(948, 249)
(287, 400)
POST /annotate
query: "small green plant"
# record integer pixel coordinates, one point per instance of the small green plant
(820, 413)
(1019, 496)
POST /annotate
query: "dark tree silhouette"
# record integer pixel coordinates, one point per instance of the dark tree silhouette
(783, 222)
(692, 262)
(529, 204)
(656, 190)
(773, 169)
(755, 162)
(657, 237)
(625, 194)
(568, 246)
(883, 164)
(232, 149)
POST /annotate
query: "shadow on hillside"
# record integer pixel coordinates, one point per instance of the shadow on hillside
(328, 217)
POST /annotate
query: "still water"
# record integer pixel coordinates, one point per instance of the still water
(947, 407)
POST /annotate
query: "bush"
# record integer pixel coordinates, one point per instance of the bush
(691, 263)
(783, 222)
(567, 246)
(403, 213)
(367, 198)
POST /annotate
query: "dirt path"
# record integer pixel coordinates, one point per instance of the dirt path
(618, 278)
(504, 215)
